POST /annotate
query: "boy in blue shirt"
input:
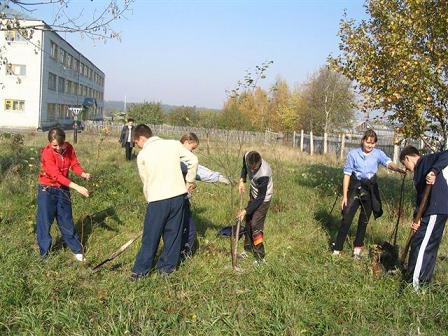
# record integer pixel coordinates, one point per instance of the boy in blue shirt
(427, 169)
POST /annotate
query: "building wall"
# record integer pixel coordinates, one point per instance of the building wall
(80, 79)
(23, 87)
(56, 77)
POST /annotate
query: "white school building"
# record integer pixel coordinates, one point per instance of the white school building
(43, 77)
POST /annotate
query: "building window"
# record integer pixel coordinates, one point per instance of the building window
(16, 69)
(52, 81)
(61, 85)
(68, 86)
(68, 60)
(74, 88)
(53, 50)
(14, 36)
(61, 55)
(14, 105)
(51, 112)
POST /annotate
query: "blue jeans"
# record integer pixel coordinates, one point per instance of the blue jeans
(55, 203)
(165, 219)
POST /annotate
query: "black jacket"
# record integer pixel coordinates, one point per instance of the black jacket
(367, 189)
(438, 200)
(125, 134)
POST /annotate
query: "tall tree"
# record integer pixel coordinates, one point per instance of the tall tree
(184, 116)
(147, 113)
(282, 114)
(328, 102)
(399, 60)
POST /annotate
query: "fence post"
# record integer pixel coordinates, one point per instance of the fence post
(325, 143)
(301, 140)
(311, 143)
(294, 139)
(342, 145)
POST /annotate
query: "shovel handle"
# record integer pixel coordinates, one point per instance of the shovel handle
(418, 217)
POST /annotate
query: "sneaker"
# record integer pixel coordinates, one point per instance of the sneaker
(336, 253)
(136, 276)
(259, 262)
(243, 255)
(80, 257)
(357, 256)
(223, 179)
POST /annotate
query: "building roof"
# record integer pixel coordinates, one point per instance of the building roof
(11, 13)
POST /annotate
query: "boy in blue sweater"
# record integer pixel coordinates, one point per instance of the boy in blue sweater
(427, 169)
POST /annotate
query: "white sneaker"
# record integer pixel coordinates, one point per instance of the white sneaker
(223, 179)
(260, 262)
(243, 255)
(80, 257)
(336, 253)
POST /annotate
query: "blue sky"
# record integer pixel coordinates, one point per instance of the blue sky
(190, 52)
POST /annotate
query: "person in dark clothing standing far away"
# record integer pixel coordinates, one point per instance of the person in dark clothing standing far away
(427, 169)
(360, 189)
(261, 189)
(164, 189)
(127, 138)
(53, 195)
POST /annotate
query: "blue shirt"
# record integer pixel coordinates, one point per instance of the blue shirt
(365, 165)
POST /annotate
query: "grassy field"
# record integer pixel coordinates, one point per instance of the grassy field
(301, 290)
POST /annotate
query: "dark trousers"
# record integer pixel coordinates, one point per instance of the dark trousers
(254, 237)
(128, 149)
(165, 219)
(55, 203)
(349, 211)
(189, 230)
(424, 247)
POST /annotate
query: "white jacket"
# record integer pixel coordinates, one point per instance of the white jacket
(159, 167)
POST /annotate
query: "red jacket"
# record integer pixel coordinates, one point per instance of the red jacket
(55, 166)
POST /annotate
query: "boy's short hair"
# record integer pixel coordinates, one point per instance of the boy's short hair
(192, 137)
(408, 151)
(56, 133)
(142, 130)
(131, 119)
(253, 159)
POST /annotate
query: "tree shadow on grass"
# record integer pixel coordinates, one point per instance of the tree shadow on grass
(84, 226)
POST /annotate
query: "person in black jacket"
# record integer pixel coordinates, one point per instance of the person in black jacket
(427, 169)
(127, 138)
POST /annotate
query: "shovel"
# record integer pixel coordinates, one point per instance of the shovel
(388, 256)
(235, 238)
(123, 248)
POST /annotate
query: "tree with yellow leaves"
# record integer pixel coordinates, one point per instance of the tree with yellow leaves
(398, 58)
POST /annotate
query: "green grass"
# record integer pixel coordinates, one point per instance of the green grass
(302, 290)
